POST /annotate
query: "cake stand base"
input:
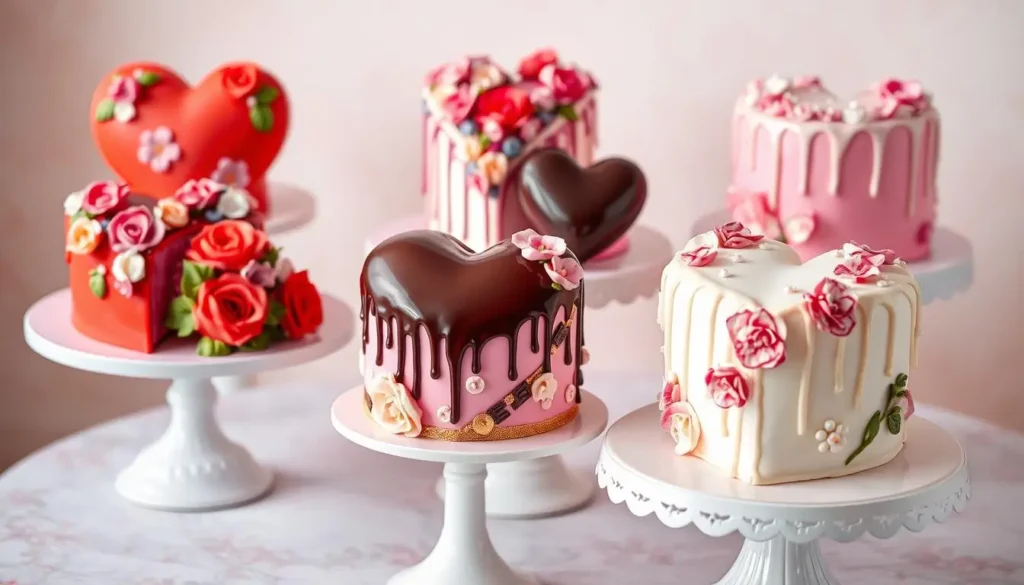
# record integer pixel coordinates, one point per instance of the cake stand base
(464, 554)
(538, 488)
(193, 466)
(926, 482)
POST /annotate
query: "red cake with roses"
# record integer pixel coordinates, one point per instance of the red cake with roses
(196, 263)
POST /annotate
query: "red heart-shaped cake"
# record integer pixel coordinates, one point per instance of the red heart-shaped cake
(589, 208)
(157, 132)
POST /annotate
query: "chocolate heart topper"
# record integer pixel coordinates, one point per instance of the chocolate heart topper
(157, 132)
(429, 279)
(589, 208)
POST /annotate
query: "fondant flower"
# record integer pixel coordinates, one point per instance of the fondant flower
(776, 85)
(128, 268)
(536, 247)
(680, 420)
(806, 81)
(906, 404)
(198, 193)
(831, 307)
(852, 249)
(83, 236)
(449, 74)
(239, 80)
(124, 288)
(564, 271)
(135, 228)
(896, 95)
(234, 203)
(73, 203)
(671, 392)
(392, 407)
(124, 91)
(172, 212)
(492, 129)
(754, 212)
(860, 269)
(854, 113)
(493, 166)
(508, 105)
(735, 235)
(103, 196)
(232, 173)
(259, 273)
(698, 256)
(799, 228)
(444, 413)
(531, 65)
(485, 75)
(228, 245)
(566, 83)
(230, 309)
(543, 389)
(570, 393)
(158, 149)
(832, 437)
(457, 104)
(727, 387)
(284, 269)
(303, 307)
(530, 129)
(542, 98)
(758, 338)
(475, 384)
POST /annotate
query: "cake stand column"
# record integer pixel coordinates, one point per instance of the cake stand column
(193, 466)
(778, 561)
(464, 553)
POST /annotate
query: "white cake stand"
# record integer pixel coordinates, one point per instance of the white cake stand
(926, 482)
(948, 272)
(193, 466)
(464, 554)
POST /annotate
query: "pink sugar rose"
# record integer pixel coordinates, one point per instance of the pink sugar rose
(542, 98)
(198, 193)
(135, 228)
(536, 247)
(531, 65)
(671, 393)
(860, 269)
(259, 274)
(798, 228)
(458, 104)
(530, 129)
(699, 256)
(736, 236)
(103, 196)
(124, 88)
(832, 308)
(727, 387)
(896, 94)
(565, 272)
(567, 84)
(883, 257)
(758, 338)
(450, 74)
(906, 404)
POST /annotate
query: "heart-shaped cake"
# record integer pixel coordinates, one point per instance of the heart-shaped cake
(588, 207)
(157, 132)
(461, 346)
(780, 371)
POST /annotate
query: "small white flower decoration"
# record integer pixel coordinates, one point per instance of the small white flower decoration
(831, 438)
(776, 85)
(444, 413)
(73, 203)
(570, 393)
(854, 113)
(475, 384)
(543, 389)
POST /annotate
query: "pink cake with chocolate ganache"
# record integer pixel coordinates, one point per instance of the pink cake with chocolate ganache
(816, 171)
(464, 346)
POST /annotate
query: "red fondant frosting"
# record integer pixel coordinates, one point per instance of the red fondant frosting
(157, 132)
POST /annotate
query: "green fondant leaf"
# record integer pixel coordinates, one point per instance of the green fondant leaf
(892, 392)
(568, 113)
(894, 419)
(266, 95)
(262, 118)
(276, 333)
(147, 78)
(901, 380)
(179, 316)
(556, 286)
(901, 393)
(211, 348)
(485, 142)
(258, 343)
(275, 314)
(194, 274)
(271, 256)
(870, 432)
(105, 110)
(97, 284)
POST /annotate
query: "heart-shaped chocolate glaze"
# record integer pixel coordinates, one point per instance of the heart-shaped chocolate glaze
(589, 208)
(430, 279)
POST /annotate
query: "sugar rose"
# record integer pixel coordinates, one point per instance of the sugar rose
(230, 309)
(228, 245)
(304, 309)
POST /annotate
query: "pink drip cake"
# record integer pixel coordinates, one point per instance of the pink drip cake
(816, 171)
(481, 121)
(496, 356)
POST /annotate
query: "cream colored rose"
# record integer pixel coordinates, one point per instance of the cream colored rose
(683, 426)
(392, 407)
(543, 389)
(83, 236)
(73, 203)
(493, 166)
(234, 203)
(128, 267)
(172, 212)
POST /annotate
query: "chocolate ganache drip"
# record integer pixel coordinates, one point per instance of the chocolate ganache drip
(432, 280)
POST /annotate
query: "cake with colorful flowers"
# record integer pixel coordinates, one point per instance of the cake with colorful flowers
(156, 132)
(495, 354)
(780, 371)
(479, 123)
(816, 171)
(196, 263)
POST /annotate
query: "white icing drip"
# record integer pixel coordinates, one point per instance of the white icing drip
(773, 193)
(877, 150)
(837, 150)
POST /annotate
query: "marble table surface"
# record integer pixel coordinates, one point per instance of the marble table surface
(341, 514)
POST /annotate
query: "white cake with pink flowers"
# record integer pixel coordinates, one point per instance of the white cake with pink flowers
(780, 371)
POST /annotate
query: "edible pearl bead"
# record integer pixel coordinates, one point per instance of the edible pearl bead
(724, 273)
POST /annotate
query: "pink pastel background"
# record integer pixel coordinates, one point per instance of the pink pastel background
(670, 71)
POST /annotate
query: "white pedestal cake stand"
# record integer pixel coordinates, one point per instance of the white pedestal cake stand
(949, 271)
(292, 208)
(193, 466)
(464, 554)
(545, 487)
(926, 482)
